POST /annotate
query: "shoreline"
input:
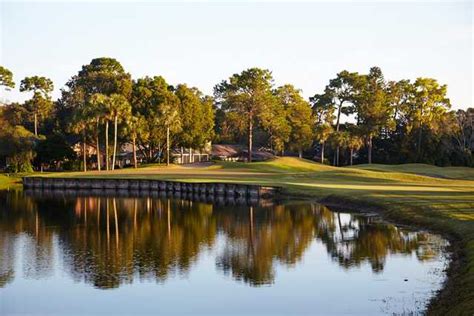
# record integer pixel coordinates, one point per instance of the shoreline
(442, 206)
(455, 254)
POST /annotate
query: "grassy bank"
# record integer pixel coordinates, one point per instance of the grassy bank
(9, 181)
(441, 199)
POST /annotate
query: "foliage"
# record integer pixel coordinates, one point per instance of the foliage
(196, 114)
(17, 147)
(398, 121)
(40, 105)
(274, 120)
(154, 100)
(53, 150)
(6, 78)
(374, 113)
(243, 97)
(299, 116)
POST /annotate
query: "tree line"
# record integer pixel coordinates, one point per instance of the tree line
(361, 118)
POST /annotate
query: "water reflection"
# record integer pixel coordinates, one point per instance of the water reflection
(108, 241)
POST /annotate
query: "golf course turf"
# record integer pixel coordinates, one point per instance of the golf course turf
(439, 199)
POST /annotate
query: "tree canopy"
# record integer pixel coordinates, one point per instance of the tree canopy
(356, 118)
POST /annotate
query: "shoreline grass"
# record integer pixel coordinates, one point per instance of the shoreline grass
(9, 181)
(440, 199)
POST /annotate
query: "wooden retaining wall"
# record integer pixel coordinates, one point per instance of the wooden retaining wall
(208, 189)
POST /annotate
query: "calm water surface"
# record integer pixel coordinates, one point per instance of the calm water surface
(64, 254)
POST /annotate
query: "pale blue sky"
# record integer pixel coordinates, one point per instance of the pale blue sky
(201, 43)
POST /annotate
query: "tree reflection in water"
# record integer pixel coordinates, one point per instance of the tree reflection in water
(108, 241)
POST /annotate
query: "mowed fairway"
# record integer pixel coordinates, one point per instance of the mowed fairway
(441, 199)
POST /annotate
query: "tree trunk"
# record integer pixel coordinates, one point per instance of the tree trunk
(418, 154)
(115, 141)
(300, 153)
(336, 154)
(322, 152)
(134, 145)
(167, 145)
(84, 153)
(107, 145)
(352, 153)
(182, 155)
(338, 116)
(114, 203)
(98, 147)
(370, 149)
(36, 124)
(249, 158)
(191, 160)
(108, 221)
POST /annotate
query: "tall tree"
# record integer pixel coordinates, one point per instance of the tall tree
(371, 104)
(136, 128)
(6, 78)
(354, 141)
(79, 125)
(465, 135)
(429, 105)
(96, 114)
(323, 113)
(341, 91)
(274, 120)
(40, 104)
(118, 108)
(169, 117)
(154, 100)
(104, 76)
(244, 95)
(196, 115)
(399, 95)
(339, 139)
(300, 118)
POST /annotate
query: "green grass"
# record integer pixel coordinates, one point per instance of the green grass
(423, 169)
(441, 199)
(7, 181)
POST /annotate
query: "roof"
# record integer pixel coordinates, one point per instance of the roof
(225, 150)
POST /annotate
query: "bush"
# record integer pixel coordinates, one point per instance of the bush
(73, 165)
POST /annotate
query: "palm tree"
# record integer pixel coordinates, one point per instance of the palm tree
(354, 143)
(170, 118)
(118, 107)
(339, 140)
(323, 132)
(79, 126)
(135, 127)
(96, 113)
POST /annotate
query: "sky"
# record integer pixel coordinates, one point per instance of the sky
(204, 42)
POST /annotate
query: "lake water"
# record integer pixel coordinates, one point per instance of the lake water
(64, 254)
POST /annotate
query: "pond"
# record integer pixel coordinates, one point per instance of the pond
(104, 254)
